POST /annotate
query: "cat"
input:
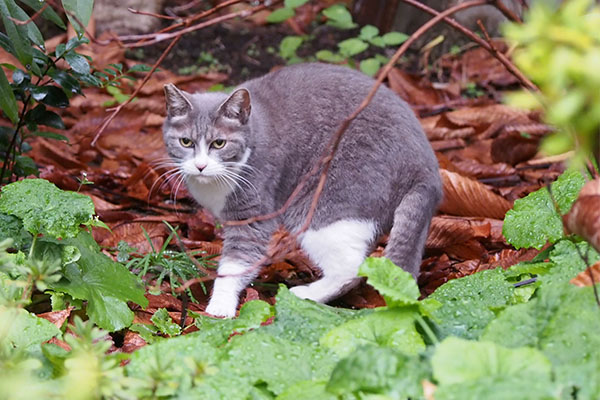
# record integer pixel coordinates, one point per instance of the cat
(242, 155)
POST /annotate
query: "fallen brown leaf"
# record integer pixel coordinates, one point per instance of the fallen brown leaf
(589, 277)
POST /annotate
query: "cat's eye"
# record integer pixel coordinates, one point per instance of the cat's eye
(186, 142)
(218, 144)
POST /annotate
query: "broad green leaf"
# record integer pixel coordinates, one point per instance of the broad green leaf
(307, 390)
(378, 371)
(77, 62)
(69, 84)
(370, 66)
(485, 370)
(22, 330)
(82, 10)
(289, 45)
(32, 30)
(276, 361)
(50, 95)
(163, 321)
(567, 262)
(534, 221)
(25, 166)
(105, 284)
(294, 3)
(48, 13)
(328, 56)
(12, 227)
(17, 35)
(352, 47)
(41, 116)
(46, 209)
(280, 15)
(338, 16)
(397, 286)
(8, 103)
(562, 321)
(140, 68)
(394, 38)
(393, 328)
(304, 321)
(463, 307)
(368, 32)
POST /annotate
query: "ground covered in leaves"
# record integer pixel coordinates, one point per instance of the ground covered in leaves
(529, 347)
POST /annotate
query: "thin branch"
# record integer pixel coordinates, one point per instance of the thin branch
(151, 14)
(469, 33)
(508, 13)
(32, 18)
(118, 109)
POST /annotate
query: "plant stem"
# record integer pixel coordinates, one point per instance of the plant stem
(427, 330)
(11, 147)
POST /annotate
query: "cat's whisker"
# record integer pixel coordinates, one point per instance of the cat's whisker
(172, 176)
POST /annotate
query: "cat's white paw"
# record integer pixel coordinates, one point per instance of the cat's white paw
(304, 292)
(221, 309)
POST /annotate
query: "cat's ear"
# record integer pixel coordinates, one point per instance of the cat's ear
(237, 107)
(177, 104)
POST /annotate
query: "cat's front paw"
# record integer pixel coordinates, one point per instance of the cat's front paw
(220, 309)
(304, 292)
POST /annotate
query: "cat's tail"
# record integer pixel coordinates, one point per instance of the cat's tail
(411, 225)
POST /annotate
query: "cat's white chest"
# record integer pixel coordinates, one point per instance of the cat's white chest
(209, 195)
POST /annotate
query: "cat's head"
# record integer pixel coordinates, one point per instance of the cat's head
(206, 135)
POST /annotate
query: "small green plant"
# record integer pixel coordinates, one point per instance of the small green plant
(368, 38)
(58, 257)
(157, 265)
(40, 84)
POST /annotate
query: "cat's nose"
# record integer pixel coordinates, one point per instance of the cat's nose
(200, 166)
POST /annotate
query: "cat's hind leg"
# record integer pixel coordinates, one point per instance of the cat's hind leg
(338, 250)
(411, 225)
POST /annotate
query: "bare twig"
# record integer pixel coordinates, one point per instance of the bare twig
(500, 56)
(118, 109)
(151, 14)
(508, 13)
(32, 18)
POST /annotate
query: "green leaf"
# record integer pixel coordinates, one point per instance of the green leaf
(25, 166)
(328, 56)
(394, 38)
(339, 17)
(50, 95)
(378, 371)
(140, 68)
(370, 66)
(289, 45)
(51, 135)
(82, 9)
(12, 227)
(485, 370)
(280, 15)
(46, 209)
(294, 3)
(534, 221)
(33, 32)
(304, 321)
(397, 286)
(566, 261)
(276, 361)
(17, 35)
(48, 13)
(69, 84)
(307, 390)
(106, 285)
(39, 115)
(393, 328)
(77, 62)
(8, 103)
(24, 331)
(463, 307)
(163, 321)
(352, 47)
(368, 32)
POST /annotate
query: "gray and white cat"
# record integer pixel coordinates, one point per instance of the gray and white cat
(243, 154)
